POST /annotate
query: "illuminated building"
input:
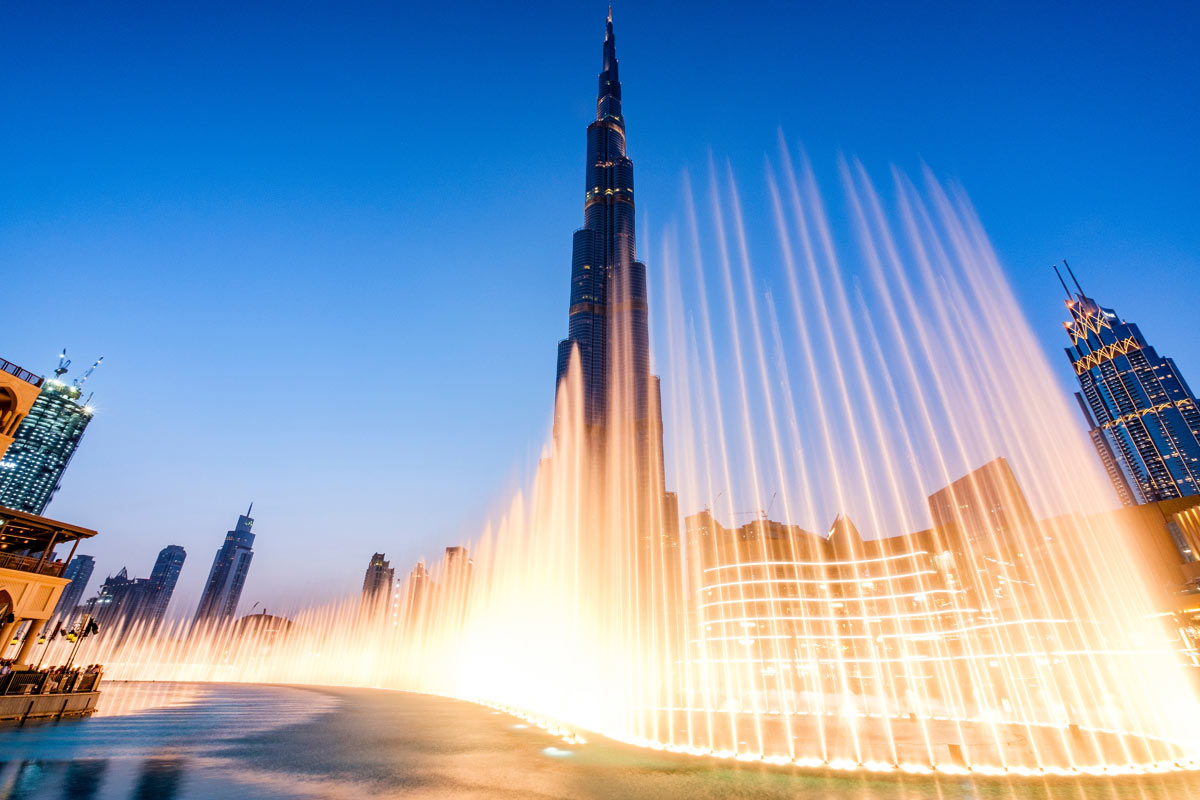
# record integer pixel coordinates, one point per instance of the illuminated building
(78, 572)
(787, 615)
(621, 404)
(32, 470)
(227, 578)
(1139, 404)
(608, 316)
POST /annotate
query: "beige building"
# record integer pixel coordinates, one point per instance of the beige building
(18, 389)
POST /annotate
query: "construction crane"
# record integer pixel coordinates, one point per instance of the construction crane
(82, 379)
(63, 363)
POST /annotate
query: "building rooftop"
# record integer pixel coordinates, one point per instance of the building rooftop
(19, 372)
(22, 531)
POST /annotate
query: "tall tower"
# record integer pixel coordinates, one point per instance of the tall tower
(43, 444)
(608, 317)
(163, 578)
(1139, 403)
(223, 590)
(78, 572)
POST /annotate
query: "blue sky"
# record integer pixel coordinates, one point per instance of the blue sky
(324, 248)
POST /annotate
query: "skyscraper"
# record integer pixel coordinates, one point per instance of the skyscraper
(32, 469)
(1139, 403)
(608, 316)
(223, 590)
(78, 572)
(163, 578)
(124, 601)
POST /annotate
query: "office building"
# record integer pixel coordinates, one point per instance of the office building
(1141, 413)
(79, 573)
(163, 578)
(223, 589)
(124, 602)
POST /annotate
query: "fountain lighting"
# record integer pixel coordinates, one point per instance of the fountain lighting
(968, 610)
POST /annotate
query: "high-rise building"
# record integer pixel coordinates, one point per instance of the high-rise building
(43, 444)
(378, 582)
(123, 601)
(78, 572)
(1139, 404)
(226, 579)
(163, 578)
(608, 316)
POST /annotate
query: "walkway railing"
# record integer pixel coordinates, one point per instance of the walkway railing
(30, 564)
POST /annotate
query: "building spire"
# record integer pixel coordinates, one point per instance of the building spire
(251, 508)
(1060, 280)
(608, 99)
(1073, 278)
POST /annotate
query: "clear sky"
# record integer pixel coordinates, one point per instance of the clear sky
(324, 248)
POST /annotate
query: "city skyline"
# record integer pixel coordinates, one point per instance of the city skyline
(204, 451)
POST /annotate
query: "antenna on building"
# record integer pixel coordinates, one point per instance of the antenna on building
(82, 379)
(251, 508)
(1073, 278)
(63, 363)
(1060, 280)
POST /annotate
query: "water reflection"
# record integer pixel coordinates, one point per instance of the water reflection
(161, 779)
(282, 743)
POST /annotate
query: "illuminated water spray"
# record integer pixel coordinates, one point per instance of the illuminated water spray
(942, 591)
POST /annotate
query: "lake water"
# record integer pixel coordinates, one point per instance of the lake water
(235, 742)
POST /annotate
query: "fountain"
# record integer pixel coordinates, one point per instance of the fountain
(942, 593)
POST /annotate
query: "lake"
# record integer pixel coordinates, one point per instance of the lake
(235, 742)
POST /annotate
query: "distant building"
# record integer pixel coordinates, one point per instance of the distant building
(987, 504)
(163, 578)
(1139, 404)
(43, 444)
(227, 578)
(378, 581)
(419, 595)
(123, 601)
(456, 584)
(263, 628)
(79, 572)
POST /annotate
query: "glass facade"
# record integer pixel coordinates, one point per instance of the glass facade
(78, 572)
(1137, 405)
(32, 469)
(609, 315)
(163, 578)
(226, 579)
